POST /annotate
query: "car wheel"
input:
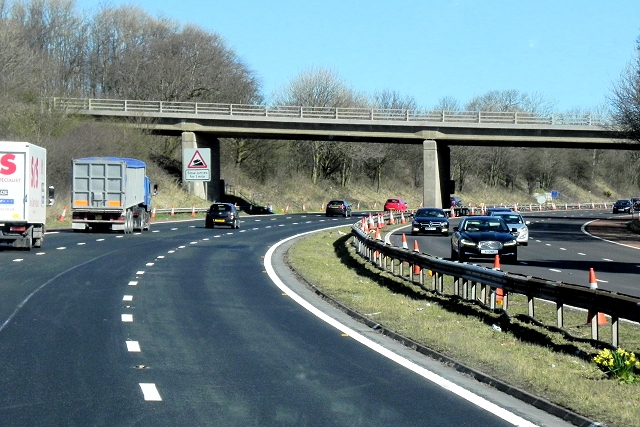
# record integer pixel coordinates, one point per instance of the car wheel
(208, 224)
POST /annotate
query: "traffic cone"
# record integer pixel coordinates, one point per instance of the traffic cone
(416, 268)
(365, 227)
(453, 213)
(371, 224)
(402, 220)
(62, 215)
(153, 213)
(593, 284)
(380, 221)
(378, 235)
(404, 242)
(499, 291)
(304, 209)
(391, 220)
(193, 211)
(172, 212)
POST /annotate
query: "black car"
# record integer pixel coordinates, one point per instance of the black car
(430, 220)
(622, 205)
(222, 214)
(483, 236)
(338, 207)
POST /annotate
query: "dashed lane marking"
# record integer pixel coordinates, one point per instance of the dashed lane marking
(133, 346)
(133, 283)
(127, 298)
(127, 317)
(150, 392)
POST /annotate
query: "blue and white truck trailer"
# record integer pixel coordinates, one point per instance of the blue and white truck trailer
(110, 194)
(23, 194)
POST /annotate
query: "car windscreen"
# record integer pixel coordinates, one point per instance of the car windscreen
(220, 208)
(511, 219)
(485, 225)
(430, 213)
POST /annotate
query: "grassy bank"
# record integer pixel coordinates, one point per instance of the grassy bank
(526, 355)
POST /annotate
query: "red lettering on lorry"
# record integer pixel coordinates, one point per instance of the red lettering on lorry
(7, 166)
(34, 172)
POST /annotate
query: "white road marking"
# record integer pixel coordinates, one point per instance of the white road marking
(18, 260)
(555, 270)
(133, 283)
(61, 248)
(150, 392)
(205, 239)
(40, 253)
(563, 249)
(606, 259)
(296, 223)
(99, 240)
(149, 264)
(170, 252)
(173, 229)
(81, 243)
(193, 243)
(127, 317)
(140, 273)
(133, 346)
(580, 253)
(425, 373)
(160, 256)
(127, 298)
(181, 247)
(155, 231)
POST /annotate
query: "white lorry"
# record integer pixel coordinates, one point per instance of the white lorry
(23, 194)
(110, 194)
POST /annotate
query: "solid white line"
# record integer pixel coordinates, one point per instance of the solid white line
(436, 379)
(150, 392)
(133, 346)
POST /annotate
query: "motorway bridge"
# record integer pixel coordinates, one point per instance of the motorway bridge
(201, 124)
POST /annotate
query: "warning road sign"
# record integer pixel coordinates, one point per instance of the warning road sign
(195, 164)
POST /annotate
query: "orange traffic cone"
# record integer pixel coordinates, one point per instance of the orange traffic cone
(453, 213)
(499, 291)
(153, 213)
(402, 220)
(593, 284)
(365, 227)
(193, 211)
(62, 215)
(404, 242)
(378, 234)
(380, 221)
(416, 268)
(371, 224)
(172, 212)
(391, 220)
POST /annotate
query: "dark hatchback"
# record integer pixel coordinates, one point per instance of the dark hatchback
(338, 207)
(430, 220)
(222, 214)
(483, 237)
(622, 205)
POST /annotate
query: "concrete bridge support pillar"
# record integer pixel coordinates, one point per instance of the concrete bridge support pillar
(211, 190)
(436, 174)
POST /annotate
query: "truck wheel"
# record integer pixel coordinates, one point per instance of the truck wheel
(128, 222)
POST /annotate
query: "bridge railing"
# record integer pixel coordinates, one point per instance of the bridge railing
(131, 107)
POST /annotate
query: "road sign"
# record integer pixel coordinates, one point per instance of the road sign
(196, 164)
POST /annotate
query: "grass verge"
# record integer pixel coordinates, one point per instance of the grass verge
(541, 360)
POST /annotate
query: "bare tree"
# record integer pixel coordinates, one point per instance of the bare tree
(625, 99)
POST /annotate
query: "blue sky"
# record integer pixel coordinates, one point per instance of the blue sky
(569, 51)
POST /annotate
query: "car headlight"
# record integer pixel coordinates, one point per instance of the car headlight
(415, 224)
(510, 243)
(467, 242)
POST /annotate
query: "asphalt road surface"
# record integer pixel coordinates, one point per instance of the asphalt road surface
(182, 326)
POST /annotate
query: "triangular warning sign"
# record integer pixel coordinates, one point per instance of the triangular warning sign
(197, 162)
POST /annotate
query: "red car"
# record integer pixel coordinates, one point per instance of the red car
(395, 205)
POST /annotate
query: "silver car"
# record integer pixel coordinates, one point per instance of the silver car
(515, 220)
